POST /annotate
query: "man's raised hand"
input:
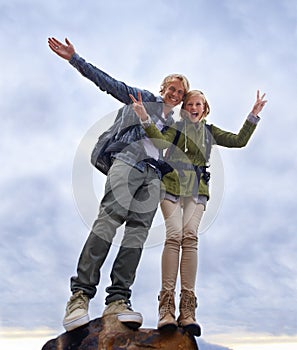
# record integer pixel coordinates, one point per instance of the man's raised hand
(62, 50)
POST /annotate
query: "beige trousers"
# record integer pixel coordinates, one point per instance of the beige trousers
(182, 220)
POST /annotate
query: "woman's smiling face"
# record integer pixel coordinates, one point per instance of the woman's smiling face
(195, 108)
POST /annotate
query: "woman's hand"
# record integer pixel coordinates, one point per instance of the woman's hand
(62, 50)
(139, 107)
(259, 104)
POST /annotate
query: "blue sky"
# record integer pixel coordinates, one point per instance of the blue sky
(247, 281)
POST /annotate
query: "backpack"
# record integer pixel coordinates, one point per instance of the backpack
(107, 143)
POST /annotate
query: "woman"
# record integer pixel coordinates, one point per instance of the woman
(186, 195)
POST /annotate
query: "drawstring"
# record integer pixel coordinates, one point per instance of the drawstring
(200, 125)
(186, 141)
(203, 136)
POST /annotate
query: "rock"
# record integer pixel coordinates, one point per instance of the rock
(107, 333)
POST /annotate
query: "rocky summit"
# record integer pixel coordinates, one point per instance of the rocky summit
(107, 333)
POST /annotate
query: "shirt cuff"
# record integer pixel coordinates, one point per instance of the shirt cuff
(253, 118)
(74, 58)
(146, 123)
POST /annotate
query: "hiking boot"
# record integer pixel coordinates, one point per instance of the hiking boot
(76, 311)
(186, 319)
(125, 313)
(167, 311)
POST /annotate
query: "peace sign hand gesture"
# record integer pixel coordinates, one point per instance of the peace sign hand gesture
(139, 107)
(62, 50)
(259, 104)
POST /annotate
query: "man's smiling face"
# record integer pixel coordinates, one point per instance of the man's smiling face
(174, 93)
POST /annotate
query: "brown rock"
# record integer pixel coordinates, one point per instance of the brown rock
(108, 333)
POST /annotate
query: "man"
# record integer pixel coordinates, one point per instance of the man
(131, 195)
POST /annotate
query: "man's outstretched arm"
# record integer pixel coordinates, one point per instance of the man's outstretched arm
(116, 88)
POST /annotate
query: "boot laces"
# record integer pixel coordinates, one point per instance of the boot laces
(168, 304)
(189, 304)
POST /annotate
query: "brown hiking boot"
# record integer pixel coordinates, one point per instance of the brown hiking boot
(167, 311)
(186, 319)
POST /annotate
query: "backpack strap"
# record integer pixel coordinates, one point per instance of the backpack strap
(175, 140)
(208, 142)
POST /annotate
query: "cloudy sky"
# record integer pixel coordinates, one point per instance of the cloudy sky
(247, 281)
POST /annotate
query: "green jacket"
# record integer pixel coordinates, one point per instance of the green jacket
(191, 149)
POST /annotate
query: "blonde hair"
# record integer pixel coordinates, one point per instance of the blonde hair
(196, 93)
(170, 78)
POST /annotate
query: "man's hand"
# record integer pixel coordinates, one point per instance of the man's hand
(62, 50)
(259, 104)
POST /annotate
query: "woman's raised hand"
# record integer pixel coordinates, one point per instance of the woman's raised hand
(139, 107)
(259, 104)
